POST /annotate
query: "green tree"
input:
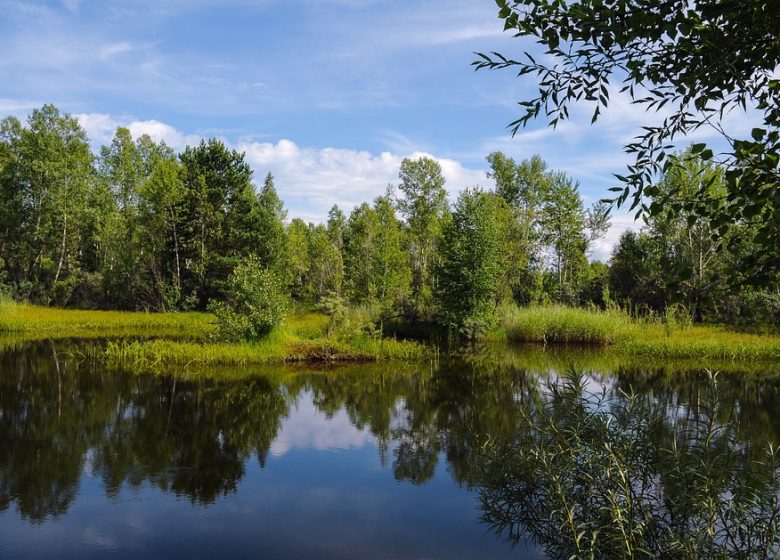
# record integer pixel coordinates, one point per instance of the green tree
(255, 303)
(391, 272)
(524, 187)
(48, 178)
(473, 261)
(360, 238)
(297, 258)
(636, 276)
(122, 170)
(423, 204)
(696, 60)
(336, 225)
(271, 224)
(162, 229)
(562, 219)
(221, 214)
(326, 267)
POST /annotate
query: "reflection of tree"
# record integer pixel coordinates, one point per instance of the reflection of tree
(592, 476)
(192, 438)
(48, 419)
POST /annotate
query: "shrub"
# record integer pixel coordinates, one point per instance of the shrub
(255, 304)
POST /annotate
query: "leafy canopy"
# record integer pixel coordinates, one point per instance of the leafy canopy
(696, 61)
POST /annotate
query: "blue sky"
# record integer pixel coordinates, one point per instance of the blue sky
(329, 95)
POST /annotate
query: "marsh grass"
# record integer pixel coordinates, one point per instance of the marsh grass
(35, 322)
(626, 336)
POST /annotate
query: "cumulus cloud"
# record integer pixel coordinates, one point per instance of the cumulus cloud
(101, 127)
(311, 180)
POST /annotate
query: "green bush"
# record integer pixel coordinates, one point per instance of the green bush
(255, 305)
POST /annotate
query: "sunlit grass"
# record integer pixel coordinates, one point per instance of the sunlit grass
(33, 321)
(626, 336)
(153, 340)
(558, 324)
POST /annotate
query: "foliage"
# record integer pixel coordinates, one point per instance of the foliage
(696, 62)
(255, 304)
(589, 476)
(473, 262)
(423, 204)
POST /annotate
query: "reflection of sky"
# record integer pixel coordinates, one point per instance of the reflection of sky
(324, 495)
(307, 428)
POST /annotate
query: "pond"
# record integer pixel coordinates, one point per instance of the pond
(391, 460)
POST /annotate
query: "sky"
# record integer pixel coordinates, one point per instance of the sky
(328, 95)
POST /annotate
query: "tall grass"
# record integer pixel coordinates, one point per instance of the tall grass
(624, 335)
(558, 324)
(35, 321)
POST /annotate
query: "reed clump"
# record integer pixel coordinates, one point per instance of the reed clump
(624, 335)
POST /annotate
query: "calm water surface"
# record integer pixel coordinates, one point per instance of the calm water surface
(370, 461)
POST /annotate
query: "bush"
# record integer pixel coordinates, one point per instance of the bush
(255, 304)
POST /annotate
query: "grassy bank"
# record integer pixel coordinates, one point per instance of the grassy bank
(628, 337)
(35, 322)
(149, 340)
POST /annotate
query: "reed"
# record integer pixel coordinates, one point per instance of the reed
(625, 336)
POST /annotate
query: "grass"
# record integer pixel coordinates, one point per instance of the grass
(154, 340)
(36, 322)
(150, 340)
(625, 336)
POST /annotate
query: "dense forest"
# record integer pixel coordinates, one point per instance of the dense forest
(139, 226)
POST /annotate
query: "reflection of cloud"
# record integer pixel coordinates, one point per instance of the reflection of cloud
(94, 538)
(308, 428)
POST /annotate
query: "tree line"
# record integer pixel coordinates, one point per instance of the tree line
(139, 226)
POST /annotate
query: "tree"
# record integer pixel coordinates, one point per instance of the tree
(326, 267)
(391, 272)
(270, 223)
(636, 274)
(690, 242)
(423, 203)
(122, 170)
(221, 216)
(473, 261)
(524, 187)
(697, 61)
(48, 178)
(562, 219)
(359, 239)
(297, 258)
(255, 303)
(162, 229)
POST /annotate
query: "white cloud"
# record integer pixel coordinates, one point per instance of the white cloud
(311, 180)
(621, 222)
(108, 51)
(100, 128)
(159, 131)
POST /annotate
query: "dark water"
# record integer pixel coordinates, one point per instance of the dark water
(370, 461)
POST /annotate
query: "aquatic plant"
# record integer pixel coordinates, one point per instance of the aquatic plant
(592, 476)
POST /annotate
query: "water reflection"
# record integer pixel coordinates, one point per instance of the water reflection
(195, 436)
(616, 475)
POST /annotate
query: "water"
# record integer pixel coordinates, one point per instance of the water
(364, 461)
